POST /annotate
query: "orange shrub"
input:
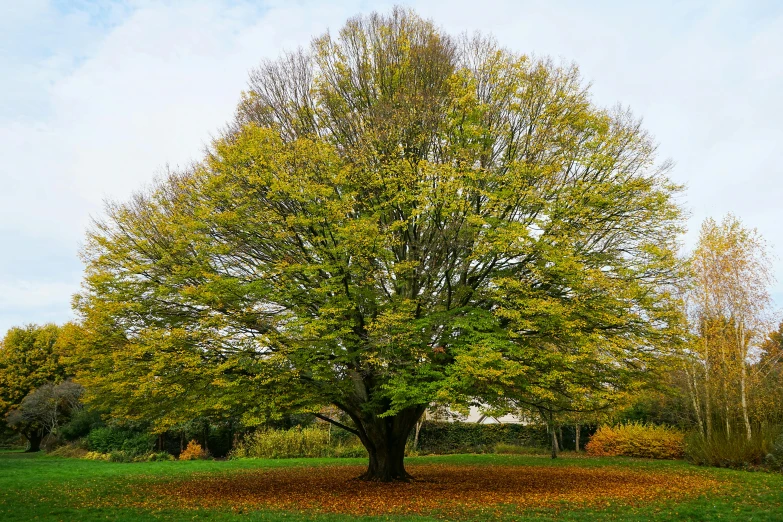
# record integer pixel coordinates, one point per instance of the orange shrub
(637, 440)
(194, 451)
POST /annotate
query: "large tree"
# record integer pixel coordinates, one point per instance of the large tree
(396, 217)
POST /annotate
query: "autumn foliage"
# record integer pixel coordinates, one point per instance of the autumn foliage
(297, 442)
(446, 491)
(637, 440)
(194, 451)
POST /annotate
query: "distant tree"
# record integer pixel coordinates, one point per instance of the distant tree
(29, 358)
(397, 218)
(44, 410)
(767, 401)
(729, 307)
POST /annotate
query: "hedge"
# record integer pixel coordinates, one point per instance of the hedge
(468, 437)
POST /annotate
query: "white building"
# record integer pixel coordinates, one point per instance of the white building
(475, 415)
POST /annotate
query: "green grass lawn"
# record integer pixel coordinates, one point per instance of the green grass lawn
(36, 487)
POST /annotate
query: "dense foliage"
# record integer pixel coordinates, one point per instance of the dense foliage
(637, 440)
(735, 450)
(29, 358)
(296, 442)
(107, 440)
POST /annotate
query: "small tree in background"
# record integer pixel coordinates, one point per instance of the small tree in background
(44, 410)
(730, 313)
(29, 358)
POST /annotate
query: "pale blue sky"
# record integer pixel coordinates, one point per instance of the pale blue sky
(96, 98)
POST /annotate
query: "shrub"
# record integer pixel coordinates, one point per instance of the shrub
(108, 440)
(735, 450)
(74, 450)
(298, 442)
(513, 449)
(103, 440)
(120, 456)
(774, 458)
(160, 456)
(194, 451)
(637, 440)
(80, 425)
(95, 455)
(347, 450)
(284, 444)
(138, 444)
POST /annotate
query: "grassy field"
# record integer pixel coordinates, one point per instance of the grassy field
(457, 487)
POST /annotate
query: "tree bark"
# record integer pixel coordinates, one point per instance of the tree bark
(743, 377)
(385, 439)
(577, 439)
(745, 416)
(694, 392)
(34, 439)
(387, 463)
(416, 436)
(555, 448)
(707, 397)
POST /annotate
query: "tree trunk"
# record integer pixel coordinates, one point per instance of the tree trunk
(416, 436)
(707, 399)
(555, 448)
(728, 420)
(385, 439)
(745, 417)
(726, 408)
(387, 463)
(694, 392)
(577, 439)
(34, 439)
(743, 378)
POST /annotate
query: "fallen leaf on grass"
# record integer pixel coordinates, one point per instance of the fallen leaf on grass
(444, 489)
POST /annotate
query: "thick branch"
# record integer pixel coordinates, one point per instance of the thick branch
(336, 423)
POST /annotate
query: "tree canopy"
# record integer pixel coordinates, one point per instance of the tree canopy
(29, 358)
(395, 217)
